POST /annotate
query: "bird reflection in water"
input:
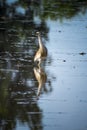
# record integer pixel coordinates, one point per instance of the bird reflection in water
(40, 55)
(41, 78)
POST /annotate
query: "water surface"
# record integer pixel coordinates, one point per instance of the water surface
(62, 101)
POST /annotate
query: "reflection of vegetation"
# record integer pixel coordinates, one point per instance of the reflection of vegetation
(62, 9)
(43, 8)
(17, 47)
(17, 102)
(3, 96)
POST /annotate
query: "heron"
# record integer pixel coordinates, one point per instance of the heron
(41, 52)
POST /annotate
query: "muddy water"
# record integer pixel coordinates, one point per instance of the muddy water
(62, 99)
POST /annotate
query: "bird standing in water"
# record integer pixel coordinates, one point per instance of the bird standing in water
(41, 52)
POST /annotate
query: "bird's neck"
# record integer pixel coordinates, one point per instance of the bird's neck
(40, 42)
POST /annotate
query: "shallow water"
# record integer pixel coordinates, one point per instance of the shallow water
(62, 100)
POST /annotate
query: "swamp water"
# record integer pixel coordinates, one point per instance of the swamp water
(62, 103)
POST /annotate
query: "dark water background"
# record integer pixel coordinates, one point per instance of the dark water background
(62, 104)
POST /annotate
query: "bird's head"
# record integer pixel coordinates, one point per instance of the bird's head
(38, 33)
